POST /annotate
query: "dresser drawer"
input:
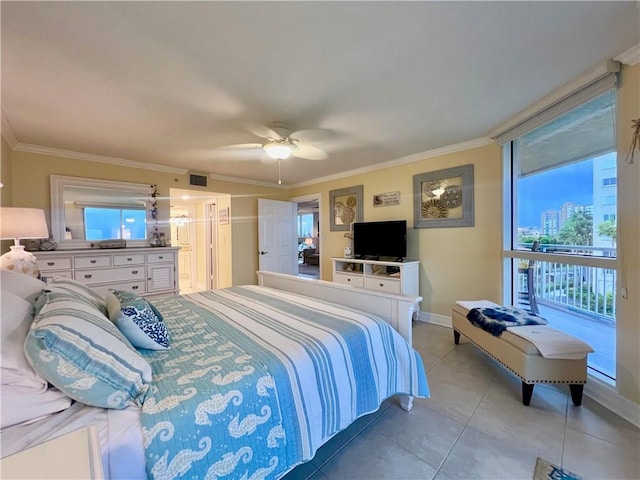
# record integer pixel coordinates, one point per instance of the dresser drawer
(131, 259)
(61, 263)
(111, 275)
(135, 287)
(382, 284)
(93, 261)
(160, 257)
(349, 279)
(47, 276)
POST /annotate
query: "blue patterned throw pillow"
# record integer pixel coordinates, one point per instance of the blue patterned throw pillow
(76, 348)
(138, 320)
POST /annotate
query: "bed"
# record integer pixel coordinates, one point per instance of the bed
(247, 381)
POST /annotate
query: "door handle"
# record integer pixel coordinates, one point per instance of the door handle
(263, 253)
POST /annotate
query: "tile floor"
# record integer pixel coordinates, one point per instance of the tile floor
(474, 426)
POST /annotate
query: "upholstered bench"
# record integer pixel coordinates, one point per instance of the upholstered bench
(566, 360)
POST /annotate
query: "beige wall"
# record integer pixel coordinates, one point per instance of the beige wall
(628, 309)
(5, 175)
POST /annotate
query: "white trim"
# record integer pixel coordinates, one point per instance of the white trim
(414, 157)
(7, 132)
(582, 260)
(630, 57)
(596, 73)
(435, 318)
(610, 399)
(90, 157)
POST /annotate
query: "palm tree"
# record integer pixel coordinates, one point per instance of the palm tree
(608, 229)
(578, 229)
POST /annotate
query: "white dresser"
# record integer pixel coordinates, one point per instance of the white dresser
(146, 271)
(390, 277)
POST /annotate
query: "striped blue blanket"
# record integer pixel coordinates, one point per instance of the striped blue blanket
(257, 379)
(495, 320)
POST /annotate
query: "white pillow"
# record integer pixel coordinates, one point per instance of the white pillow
(21, 405)
(17, 315)
(25, 286)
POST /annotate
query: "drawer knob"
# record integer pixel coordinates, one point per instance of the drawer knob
(161, 257)
(382, 284)
(92, 261)
(134, 287)
(51, 264)
(129, 259)
(348, 279)
(88, 276)
(134, 272)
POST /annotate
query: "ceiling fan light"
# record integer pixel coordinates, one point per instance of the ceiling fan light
(279, 150)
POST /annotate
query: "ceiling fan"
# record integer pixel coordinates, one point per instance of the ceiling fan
(280, 143)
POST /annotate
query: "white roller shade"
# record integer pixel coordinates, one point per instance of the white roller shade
(595, 83)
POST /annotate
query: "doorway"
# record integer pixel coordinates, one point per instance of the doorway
(204, 258)
(309, 238)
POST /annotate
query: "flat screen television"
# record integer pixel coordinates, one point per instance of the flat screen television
(377, 240)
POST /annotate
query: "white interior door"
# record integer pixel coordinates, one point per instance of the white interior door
(277, 236)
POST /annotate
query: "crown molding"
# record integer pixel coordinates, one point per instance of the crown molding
(414, 157)
(630, 57)
(90, 157)
(7, 132)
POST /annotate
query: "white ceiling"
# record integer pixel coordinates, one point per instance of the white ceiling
(170, 83)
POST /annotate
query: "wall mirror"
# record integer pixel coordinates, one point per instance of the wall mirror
(85, 210)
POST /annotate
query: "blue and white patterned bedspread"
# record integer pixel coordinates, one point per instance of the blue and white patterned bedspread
(257, 379)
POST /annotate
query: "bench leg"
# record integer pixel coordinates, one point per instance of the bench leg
(576, 393)
(527, 392)
(456, 337)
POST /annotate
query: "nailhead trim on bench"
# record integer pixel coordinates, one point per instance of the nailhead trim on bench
(573, 382)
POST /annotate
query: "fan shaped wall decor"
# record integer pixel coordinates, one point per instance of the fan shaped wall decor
(444, 198)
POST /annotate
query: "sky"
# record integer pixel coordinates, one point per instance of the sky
(550, 189)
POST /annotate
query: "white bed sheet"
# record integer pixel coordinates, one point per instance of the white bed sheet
(119, 431)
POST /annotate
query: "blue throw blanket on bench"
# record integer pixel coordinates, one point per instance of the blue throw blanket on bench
(495, 320)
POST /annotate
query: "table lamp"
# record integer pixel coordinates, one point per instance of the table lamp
(17, 223)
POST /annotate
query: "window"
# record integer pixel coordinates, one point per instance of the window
(107, 223)
(305, 225)
(562, 188)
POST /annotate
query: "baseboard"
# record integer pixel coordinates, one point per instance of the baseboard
(435, 318)
(609, 398)
(596, 389)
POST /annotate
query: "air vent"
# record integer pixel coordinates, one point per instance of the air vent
(199, 180)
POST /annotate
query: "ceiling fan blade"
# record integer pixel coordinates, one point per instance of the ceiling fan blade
(312, 136)
(262, 131)
(309, 152)
(240, 146)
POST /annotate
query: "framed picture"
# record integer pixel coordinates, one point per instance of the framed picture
(345, 208)
(444, 198)
(386, 199)
(223, 216)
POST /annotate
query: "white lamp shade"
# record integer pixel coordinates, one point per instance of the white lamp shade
(279, 150)
(17, 222)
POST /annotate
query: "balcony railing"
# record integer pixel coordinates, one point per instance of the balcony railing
(585, 289)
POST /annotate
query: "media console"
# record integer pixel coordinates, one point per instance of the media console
(386, 276)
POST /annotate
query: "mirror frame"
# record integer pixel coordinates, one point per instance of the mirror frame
(59, 182)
